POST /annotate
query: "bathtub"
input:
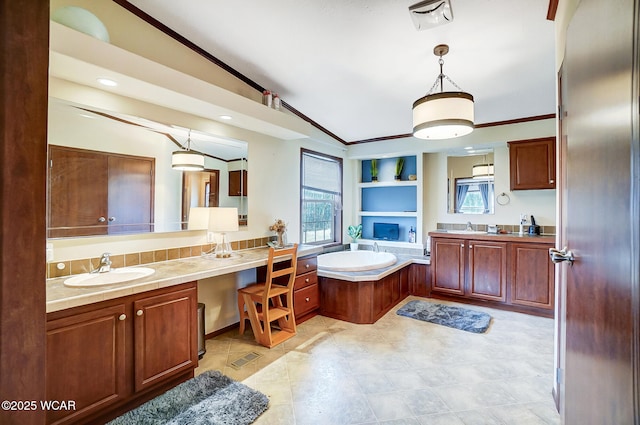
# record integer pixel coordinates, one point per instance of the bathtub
(353, 261)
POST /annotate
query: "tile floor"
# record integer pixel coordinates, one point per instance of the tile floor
(399, 371)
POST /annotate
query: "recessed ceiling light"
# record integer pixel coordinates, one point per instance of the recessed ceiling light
(226, 117)
(107, 82)
(468, 147)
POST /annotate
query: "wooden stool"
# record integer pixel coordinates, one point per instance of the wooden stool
(268, 302)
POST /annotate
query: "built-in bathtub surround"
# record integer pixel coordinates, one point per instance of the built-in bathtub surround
(511, 228)
(63, 268)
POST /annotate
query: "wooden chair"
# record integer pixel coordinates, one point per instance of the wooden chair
(269, 301)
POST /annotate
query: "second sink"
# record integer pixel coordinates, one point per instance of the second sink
(121, 275)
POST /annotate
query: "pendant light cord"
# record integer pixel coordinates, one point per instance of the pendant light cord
(440, 79)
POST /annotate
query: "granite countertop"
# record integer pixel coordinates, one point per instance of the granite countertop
(501, 237)
(376, 274)
(168, 273)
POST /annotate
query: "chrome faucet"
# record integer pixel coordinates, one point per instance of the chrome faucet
(375, 247)
(469, 225)
(105, 264)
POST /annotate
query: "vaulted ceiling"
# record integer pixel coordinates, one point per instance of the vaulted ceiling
(356, 66)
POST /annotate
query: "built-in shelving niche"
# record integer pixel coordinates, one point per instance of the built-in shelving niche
(389, 200)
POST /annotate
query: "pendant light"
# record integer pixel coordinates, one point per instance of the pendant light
(482, 171)
(187, 160)
(443, 115)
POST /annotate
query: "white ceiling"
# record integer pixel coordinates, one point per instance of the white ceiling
(356, 66)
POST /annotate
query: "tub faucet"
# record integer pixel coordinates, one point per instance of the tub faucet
(105, 264)
(375, 247)
(469, 225)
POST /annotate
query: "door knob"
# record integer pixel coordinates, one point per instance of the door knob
(558, 256)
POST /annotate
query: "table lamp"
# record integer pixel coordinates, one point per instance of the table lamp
(223, 220)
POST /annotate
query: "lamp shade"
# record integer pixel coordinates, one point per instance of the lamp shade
(443, 115)
(480, 171)
(187, 161)
(198, 218)
(223, 219)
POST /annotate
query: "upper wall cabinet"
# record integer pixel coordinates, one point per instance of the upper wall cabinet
(532, 164)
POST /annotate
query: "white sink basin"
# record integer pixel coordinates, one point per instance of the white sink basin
(467, 232)
(121, 275)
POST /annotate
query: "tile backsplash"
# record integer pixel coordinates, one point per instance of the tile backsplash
(62, 268)
(511, 228)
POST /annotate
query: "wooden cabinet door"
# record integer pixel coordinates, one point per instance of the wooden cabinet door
(130, 195)
(532, 276)
(238, 183)
(487, 270)
(86, 362)
(165, 336)
(75, 210)
(420, 280)
(447, 265)
(532, 164)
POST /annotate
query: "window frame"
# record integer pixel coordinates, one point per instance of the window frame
(338, 218)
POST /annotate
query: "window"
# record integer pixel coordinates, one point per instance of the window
(474, 196)
(320, 198)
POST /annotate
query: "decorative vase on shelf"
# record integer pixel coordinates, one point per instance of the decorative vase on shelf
(374, 179)
(353, 246)
(280, 239)
(396, 177)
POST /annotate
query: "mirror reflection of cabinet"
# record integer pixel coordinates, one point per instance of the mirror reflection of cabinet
(96, 193)
(238, 183)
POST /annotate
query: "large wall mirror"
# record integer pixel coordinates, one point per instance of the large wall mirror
(110, 173)
(470, 183)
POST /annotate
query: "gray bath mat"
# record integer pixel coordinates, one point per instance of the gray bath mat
(453, 317)
(210, 398)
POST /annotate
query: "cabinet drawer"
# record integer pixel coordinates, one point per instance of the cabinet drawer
(307, 264)
(305, 280)
(306, 299)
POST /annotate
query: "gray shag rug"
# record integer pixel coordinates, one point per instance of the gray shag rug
(210, 398)
(453, 317)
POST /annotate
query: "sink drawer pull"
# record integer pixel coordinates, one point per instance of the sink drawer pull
(307, 299)
(307, 280)
(139, 313)
(122, 317)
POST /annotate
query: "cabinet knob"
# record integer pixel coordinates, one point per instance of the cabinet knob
(101, 220)
(307, 280)
(307, 265)
(307, 299)
(122, 317)
(139, 313)
(461, 245)
(470, 246)
(551, 181)
(112, 219)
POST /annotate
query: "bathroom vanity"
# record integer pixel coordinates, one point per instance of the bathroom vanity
(112, 347)
(506, 271)
(107, 356)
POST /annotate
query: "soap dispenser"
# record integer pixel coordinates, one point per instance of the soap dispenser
(523, 220)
